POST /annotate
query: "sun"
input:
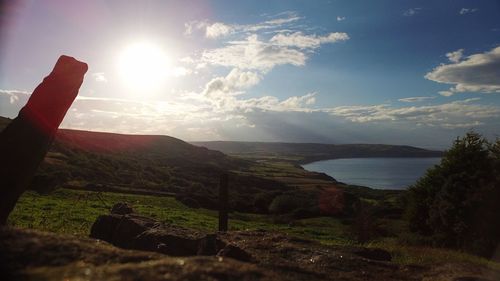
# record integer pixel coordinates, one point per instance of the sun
(143, 66)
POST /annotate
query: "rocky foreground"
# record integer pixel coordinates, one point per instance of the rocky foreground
(162, 252)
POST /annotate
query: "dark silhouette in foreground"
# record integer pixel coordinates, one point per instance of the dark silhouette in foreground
(25, 141)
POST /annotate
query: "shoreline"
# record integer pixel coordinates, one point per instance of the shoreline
(385, 178)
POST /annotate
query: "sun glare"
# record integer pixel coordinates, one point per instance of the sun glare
(143, 66)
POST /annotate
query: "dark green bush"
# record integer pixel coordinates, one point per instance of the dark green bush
(457, 203)
(285, 204)
(262, 201)
(304, 213)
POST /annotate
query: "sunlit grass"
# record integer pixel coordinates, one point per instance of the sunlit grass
(73, 212)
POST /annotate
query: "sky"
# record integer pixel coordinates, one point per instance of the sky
(388, 71)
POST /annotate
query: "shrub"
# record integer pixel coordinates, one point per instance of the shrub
(284, 204)
(304, 213)
(262, 201)
(365, 226)
(456, 202)
(338, 202)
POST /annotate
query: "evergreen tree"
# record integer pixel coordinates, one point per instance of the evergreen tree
(457, 202)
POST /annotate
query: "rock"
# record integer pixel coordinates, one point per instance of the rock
(122, 209)
(374, 254)
(234, 252)
(104, 227)
(170, 241)
(209, 245)
(121, 230)
(128, 228)
(142, 233)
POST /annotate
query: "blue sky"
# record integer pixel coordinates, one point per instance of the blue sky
(399, 72)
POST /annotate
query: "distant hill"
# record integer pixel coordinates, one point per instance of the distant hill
(310, 152)
(145, 164)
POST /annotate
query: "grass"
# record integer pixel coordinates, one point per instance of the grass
(422, 255)
(73, 212)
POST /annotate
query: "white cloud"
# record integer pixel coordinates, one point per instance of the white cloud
(271, 103)
(232, 84)
(230, 115)
(464, 11)
(218, 29)
(253, 54)
(289, 18)
(281, 49)
(289, 44)
(187, 59)
(11, 101)
(302, 41)
(416, 99)
(469, 125)
(181, 71)
(15, 96)
(446, 93)
(411, 12)
(190, 27)
(476, 73)
(451, 115)
(455, 56)
(339, 18)
(99, 77)
(300, 102)
(455, 114)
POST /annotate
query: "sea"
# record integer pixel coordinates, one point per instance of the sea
(379, 173)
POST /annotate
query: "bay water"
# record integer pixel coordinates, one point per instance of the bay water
(380, 173)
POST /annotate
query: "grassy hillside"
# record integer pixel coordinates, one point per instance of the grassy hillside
(141, 164)
(309, 152)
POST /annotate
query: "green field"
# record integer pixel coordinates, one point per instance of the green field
(73, 212)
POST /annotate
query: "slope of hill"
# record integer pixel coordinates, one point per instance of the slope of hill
(145, 164)
(309, 152)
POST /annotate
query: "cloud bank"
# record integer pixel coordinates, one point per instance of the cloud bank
(476, 73)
